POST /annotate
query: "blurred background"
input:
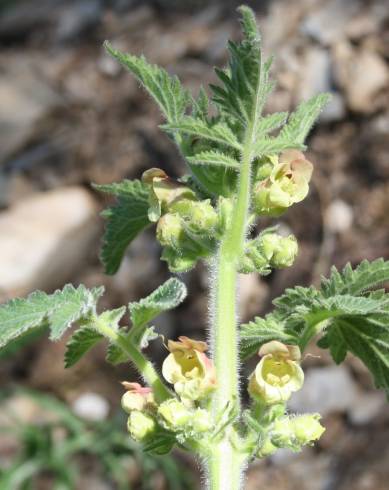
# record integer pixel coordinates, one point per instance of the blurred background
(69, 115)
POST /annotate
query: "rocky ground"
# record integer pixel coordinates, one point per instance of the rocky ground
(69, 115)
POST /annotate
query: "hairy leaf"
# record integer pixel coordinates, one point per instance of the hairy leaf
(262, 330)
(270, 146)
(166, 90)
(355, 281)
(125, 220)
(217, 132)
(301, 121)
(167, 296)
(367, 337)
(245, 84)
(115, 355)
(58, 310)
(270, 123)
(213, 157)
(80, 343)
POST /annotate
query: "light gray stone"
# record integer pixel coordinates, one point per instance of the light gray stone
(44, 239)
(339, 216)
(25, 98)
(91, 406)
(362, 74)
(325, 390)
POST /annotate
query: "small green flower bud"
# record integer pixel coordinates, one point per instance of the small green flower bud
(174, 413)
(295, 432)
(170, 232)
(283, 433)
(267, 449)
(270, 243)
(277, 375)
(176, 262)
(286, 252)
(279, 251)
(201, 420)
(137, 397)
(307, 428)
(198, 215)
(140, 425)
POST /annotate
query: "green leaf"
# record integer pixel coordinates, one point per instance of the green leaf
(166, 90)
(215, 158)
(58, 310)
(217, 132)
(301, 121)
(161, 443)
(367, 275)
(245, 84)
(115, 355)
(262, 330)
(167, 296)
(367, 337)
(354, 318)
(271, 122)
(125, 220)
(270, 146)
(79, 344)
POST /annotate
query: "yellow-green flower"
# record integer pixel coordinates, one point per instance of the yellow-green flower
(141, 426)
(287, 184)
(137, 397)
(277, 375)
(187, 367)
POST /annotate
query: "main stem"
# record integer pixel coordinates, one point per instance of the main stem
(225, 465)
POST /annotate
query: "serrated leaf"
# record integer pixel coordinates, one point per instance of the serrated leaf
(262, 330)
(245, 84)
(125, 220)
(366, 337)
(270, 146)
(112, 317)
(215, 158)
(58, 310)
(79, 344)
(302, 119)
(355, 281)
(115, 355)
(167, 296)
(270, 123)
(217, 132)
(165, 89)
(161, 443)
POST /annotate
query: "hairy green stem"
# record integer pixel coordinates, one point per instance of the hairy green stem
(225, 465)
(143, 365)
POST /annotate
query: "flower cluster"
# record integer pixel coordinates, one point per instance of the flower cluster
(183, 416)
(292, 432)
(283, 182)
(186, 227)
(269, 250)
